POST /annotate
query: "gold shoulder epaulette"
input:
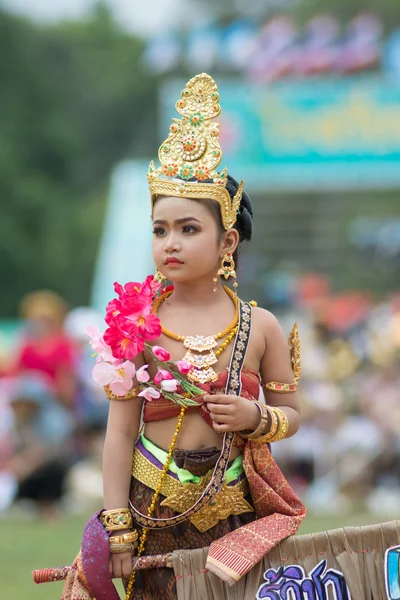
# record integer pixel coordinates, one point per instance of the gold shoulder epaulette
(294, 345)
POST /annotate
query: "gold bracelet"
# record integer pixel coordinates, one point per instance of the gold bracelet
(126, 538)
(133, 393)
(268, 437)
(120, 548)
(281, 388)
(261, 429)
(116, 518)
(283, 425)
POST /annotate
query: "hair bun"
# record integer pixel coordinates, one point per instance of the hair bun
(244, 221)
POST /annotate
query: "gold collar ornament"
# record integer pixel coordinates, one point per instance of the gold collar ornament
(202, 363)
(192, 149)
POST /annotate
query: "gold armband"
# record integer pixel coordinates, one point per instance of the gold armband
(269, 436)
(262, 434)
(283, 425)
(294, 346)
(133, 393)
(115, 519)
(281, 388)
(126, 538)
(120, 548)
(262, 427)
(279, 426)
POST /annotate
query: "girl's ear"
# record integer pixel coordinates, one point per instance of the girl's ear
(230, 242)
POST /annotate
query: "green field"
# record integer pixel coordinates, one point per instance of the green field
(27, 545)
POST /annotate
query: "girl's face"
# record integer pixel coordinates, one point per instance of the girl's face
(186, 240)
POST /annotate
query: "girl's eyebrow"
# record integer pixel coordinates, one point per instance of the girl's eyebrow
(178, 221)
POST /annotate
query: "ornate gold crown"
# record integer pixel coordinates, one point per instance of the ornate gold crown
(192, 149)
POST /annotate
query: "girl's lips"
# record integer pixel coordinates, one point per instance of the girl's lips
(173, 261)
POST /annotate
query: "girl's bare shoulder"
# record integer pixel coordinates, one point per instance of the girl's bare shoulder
(266, 323)
(265, 318)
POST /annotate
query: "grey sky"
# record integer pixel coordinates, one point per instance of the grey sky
(137, 15)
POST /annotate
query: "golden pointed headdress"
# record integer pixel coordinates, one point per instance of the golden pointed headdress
(192, 149)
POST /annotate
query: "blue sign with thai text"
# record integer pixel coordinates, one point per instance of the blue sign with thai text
(291, 583)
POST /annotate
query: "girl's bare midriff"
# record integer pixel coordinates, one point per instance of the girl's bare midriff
(195, 434)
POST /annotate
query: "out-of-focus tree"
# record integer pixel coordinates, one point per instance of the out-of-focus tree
(74, 100)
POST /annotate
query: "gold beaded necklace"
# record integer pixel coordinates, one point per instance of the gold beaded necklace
(200, 349)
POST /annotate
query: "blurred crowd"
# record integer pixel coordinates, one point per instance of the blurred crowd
(53, 415)
(277, 48)
(346, 453)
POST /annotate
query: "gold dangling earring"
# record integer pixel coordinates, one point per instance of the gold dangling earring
(159, 277)
(228, 269)
(215, 280)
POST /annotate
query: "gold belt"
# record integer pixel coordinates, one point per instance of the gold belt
(230, 500)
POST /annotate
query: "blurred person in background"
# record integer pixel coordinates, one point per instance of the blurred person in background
(84, 482)
(7, 481)
(37, 467)
(362, 45)
(319, 48)
(274, 51)
(45, 350)
(90, 401)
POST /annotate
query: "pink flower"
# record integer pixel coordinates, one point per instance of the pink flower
(124, 344)
(136, 307)
(150, 394)
(99, 346)
(137, 297)
(147, 287)
(113, 309)
(162, 375)
(118, 377)
(103, 373)
(161, 354)
(149, 327)
(183, 366)
(118, 289)
(132, 288)
(142, 375)
(170, 385)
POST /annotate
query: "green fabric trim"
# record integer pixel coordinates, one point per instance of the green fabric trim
(185, 476)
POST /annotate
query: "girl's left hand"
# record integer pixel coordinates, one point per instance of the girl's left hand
(232, 413)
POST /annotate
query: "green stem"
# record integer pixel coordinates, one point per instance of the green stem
(173, 396)
(188, 387)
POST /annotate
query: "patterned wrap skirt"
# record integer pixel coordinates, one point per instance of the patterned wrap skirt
(230, 509)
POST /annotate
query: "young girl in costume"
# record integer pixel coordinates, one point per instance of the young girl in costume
(202, 476)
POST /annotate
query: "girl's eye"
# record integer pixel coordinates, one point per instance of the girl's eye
(158, 231)
(189, 229)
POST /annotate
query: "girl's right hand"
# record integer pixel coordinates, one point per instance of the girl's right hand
(121, 565)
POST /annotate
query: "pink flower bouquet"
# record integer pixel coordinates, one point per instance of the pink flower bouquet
(131, 325)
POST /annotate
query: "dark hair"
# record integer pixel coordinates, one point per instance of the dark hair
(244, 220)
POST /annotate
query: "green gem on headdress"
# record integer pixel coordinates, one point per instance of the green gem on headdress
(196, 119)
(186, 172)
